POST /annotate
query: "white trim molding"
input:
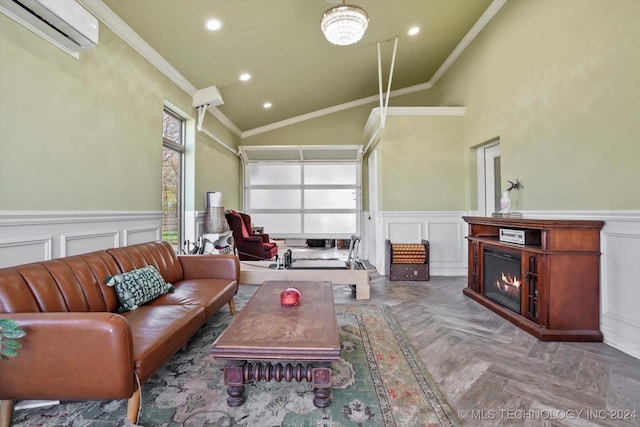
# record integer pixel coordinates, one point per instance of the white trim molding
(32, 236)
(374, 117)
(619, 267)
(21, 251)
(87, 242)
(120, 28)
(488, 14)
(445, 231)
(134, 236)
(374, 123)
(619, 272)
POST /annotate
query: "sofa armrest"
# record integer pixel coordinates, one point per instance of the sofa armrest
(70, 356)
(210, 267)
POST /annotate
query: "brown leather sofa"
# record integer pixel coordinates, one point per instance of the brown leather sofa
(78, 347)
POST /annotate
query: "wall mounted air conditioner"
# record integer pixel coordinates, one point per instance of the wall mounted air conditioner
(65, 23)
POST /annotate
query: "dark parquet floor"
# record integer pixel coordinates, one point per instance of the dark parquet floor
(493, 373)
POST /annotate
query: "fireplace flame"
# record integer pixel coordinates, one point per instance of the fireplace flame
(508, 284)
(512, 281)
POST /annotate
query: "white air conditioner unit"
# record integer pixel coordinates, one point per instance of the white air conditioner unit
(62, 22)
(207, 96)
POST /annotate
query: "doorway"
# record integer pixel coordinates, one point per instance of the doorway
(372, 253)
(489, 178)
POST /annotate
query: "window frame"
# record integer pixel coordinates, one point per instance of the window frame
(180, 148)
(302, 186)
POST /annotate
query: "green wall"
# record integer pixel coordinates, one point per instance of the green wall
(559, 83)
(216, 167)
(420, 163)
(87, 134)
(341, 128)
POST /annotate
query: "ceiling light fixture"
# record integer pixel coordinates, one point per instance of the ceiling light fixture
(413, 31)
(244, 77)
(213, 24)
(345, 24)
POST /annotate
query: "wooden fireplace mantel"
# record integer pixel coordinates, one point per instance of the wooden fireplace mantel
(560, 272)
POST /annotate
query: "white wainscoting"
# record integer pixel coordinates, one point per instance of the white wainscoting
(619, 264)
(445, 232)
(31, 236)
(200, 224)
(619, 274)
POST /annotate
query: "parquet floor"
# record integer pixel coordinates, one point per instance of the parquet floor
(493, 373)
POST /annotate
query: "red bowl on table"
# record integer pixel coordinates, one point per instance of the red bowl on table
(290, 297)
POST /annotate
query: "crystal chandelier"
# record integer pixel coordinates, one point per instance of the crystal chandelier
(345, 24)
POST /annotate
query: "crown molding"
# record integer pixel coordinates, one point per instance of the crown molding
(120, 28)
(425, 111)
(488, 14)
(484, 19)
(308, 116)
(373, 122)
(334, 109)
(225, 120)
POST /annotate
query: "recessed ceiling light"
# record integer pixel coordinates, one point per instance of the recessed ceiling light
(213, 24)
(413, 31)
(244, 77)
(267, 105)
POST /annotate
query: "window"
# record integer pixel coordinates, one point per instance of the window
(173, 149)
(304, 199)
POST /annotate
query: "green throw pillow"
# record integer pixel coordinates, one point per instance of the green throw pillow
(137, 287)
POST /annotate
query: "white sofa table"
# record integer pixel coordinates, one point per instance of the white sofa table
(258, 272)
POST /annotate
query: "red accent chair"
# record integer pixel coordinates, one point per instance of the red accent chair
(250, 246)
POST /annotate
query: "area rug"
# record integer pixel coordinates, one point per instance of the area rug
(379, 381)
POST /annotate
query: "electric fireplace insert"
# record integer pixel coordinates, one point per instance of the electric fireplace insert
(548, 286)
(502, 278)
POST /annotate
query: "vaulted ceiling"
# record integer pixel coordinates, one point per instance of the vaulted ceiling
(279, 42)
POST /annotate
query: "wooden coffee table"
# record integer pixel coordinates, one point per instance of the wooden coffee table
(267, 341)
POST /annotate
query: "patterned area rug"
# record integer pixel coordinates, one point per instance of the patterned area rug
(380, 381)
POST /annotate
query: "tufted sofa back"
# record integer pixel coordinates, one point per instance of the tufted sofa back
(73, 283)
(76, 283)
(159, 254)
